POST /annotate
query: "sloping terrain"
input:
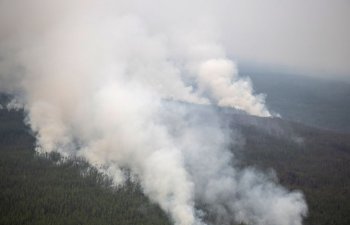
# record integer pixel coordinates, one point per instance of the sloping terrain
(38, 190)
(309, 100)
(312, 160)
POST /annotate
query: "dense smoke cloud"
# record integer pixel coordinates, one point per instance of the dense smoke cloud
(128, 85)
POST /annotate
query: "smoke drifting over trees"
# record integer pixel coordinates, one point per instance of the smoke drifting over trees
(103, 80)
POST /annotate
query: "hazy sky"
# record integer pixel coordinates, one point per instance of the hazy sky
(309, 35)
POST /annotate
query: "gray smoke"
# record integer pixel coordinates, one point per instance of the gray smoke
(104, 80)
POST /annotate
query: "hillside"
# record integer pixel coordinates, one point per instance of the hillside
(305, 158)
(36, 190)
(310, 100)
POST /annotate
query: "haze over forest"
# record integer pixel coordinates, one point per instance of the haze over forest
(181, 112)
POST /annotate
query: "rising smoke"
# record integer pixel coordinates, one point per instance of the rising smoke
(124, 84)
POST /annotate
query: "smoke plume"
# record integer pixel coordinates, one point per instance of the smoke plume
(131, 84)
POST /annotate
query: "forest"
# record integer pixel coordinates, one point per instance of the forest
(42, 189)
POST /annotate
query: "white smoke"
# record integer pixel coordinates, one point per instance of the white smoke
(220, 77)
(100, 79)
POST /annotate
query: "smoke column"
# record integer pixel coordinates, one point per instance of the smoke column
(120, 83)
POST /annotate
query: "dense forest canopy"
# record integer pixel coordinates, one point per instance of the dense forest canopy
(37, 189)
